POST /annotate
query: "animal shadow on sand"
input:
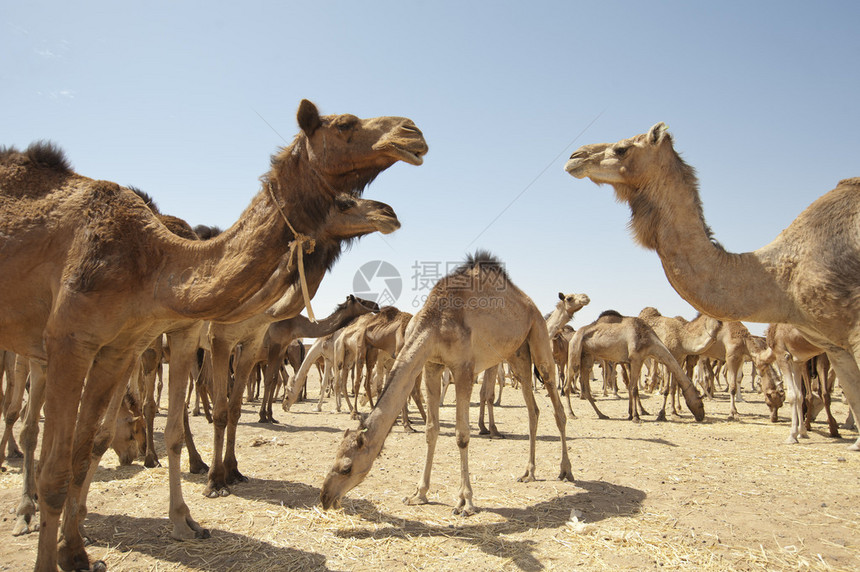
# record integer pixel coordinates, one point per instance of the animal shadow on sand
(600, 500)
(123, 534)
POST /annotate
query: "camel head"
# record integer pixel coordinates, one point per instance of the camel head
(624, 163)
(353, 217)
(573, 302)
(348, 152)
(129, 436)
(352, 462)
(355, 306)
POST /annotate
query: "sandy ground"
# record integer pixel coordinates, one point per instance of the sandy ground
(716, 495)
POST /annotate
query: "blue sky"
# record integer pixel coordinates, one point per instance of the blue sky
(188, 101)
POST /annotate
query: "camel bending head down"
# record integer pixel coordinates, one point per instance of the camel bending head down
(808, 276)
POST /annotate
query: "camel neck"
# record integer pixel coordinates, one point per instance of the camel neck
(725, 285)
(557, 320)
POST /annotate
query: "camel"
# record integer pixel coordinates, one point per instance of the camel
(733, 343)
(565, 308)
(792, 350)
(621, 339)
(682, 339)
(807, 276)
(91, 277)
(472, 319)
(280, 334)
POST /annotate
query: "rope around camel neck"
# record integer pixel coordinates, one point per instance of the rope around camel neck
(297, 244)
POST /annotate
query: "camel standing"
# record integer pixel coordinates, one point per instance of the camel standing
(682, 339)
(565, 308)
(621, 339)
(807, 276)
(280, 334)
(792, 350)
(473, 318)
(92, 277)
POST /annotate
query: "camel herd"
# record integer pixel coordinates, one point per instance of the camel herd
(99, 287)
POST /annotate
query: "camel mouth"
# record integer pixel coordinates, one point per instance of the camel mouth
(387, 225)
(407, 156)
(574, 168)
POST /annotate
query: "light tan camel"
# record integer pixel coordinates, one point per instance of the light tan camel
(621, 339)
(792, 350)
(565, 308)
(92, 277)
(733, 344)
(682, 339)
(280, 334)
(807, 276)
(472, 319)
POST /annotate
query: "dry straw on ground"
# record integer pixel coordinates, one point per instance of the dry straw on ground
(717, 495)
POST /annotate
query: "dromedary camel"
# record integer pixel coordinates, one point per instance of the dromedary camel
(91, 277)
(565, 308)
(682, 339)
(734, 343)
(280, 334)
(792, 350)
(472, 319)
(808, 275)
(622, 339)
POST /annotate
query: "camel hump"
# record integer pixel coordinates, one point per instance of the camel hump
(852, 182)
(41, 154)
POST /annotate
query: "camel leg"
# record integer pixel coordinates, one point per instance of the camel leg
(849, 424)
(110, 371)
(433, 385)
(24, 521)
(521, 367)
(147, 372)
(463, 376)
(585, 382)
(488, 385)
(848, 373)
(794, 398)
(825, 386)
(13, 399)
(541, 356)
(273, 367)
(633, 391)
(220, 355)
(234, 411)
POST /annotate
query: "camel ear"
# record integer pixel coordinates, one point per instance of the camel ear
(561, 296)
(657, 133)
(308, 117)
(351, 298)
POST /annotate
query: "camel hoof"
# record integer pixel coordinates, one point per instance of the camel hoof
(483, 431)
(415, 500)
(854, 447)
(603, 416)
(151, 463)
(263, 420)
(566, 475)
(527, 478)
(791, 441)
(661, 416)
(16, 454)
(465, 511)
(198, 468)
(98, 566)
(25, 524)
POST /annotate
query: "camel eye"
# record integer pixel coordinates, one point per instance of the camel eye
(620, 151)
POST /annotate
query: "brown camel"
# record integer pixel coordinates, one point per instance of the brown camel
(807, 276)
(621, 339)
(733, 343)
(92, 277)
(280, 334)
(563, 312)
(792, 351)
(682, 339)
(472, 319)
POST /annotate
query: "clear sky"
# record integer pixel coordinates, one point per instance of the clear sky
(188, 100)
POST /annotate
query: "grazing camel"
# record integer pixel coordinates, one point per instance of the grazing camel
(280, 334)
(473, 318)
(92, 277)
(682, 339)
(621, 339)
(792, 350)
(565, 308)
(807, 276)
